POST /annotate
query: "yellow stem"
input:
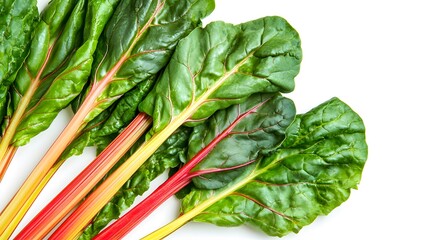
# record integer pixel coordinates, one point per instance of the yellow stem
(24, 207)
(9, 217)
(13, 125)
(182, 220)
(188, 216)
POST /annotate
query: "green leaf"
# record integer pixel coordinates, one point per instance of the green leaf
(17, 21)
(73, 40)
(138, 43)
(242, 132)
(167, 156)
(222, 65)
(311, 174)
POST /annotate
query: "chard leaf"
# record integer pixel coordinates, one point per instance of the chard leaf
(17, 21)
(137, 44)
(68, 36)
(311, 174)
(167, 156)
(222, 65)
(241, 133)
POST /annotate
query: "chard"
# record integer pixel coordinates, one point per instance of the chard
(211, 69)
(219, 151)
(135, 45)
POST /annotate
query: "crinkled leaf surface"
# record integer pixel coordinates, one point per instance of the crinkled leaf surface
(167, 156)
(69, 41)
(222, 64)
(17, 21)
(138, 42)
(311, 174)
(241, 133)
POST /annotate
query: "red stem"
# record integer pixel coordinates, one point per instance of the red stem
(85, 181)
(170, 187)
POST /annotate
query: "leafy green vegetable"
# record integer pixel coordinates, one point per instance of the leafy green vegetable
(167, 156)
(134, 47)
(60, 61)
(211, 69)
(56, 38)
(312, 173)
(70, 59)
(222, 65)
(258, 127)
(17, 21)
(230, 139)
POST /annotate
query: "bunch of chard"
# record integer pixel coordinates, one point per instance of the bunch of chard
(217, 115)
(54, 73)
(232, 63)
(226, 143)
(135, 45)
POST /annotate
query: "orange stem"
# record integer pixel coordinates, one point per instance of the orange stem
(5, 162)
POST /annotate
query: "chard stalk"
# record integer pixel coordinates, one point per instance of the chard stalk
(70, 196)
(72, 130)
(23, 199)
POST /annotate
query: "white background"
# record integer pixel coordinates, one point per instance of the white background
(374, 55)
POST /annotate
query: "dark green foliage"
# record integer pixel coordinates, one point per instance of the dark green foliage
(17, 21)
(258, 126)
(222, 64)
(314, 170)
